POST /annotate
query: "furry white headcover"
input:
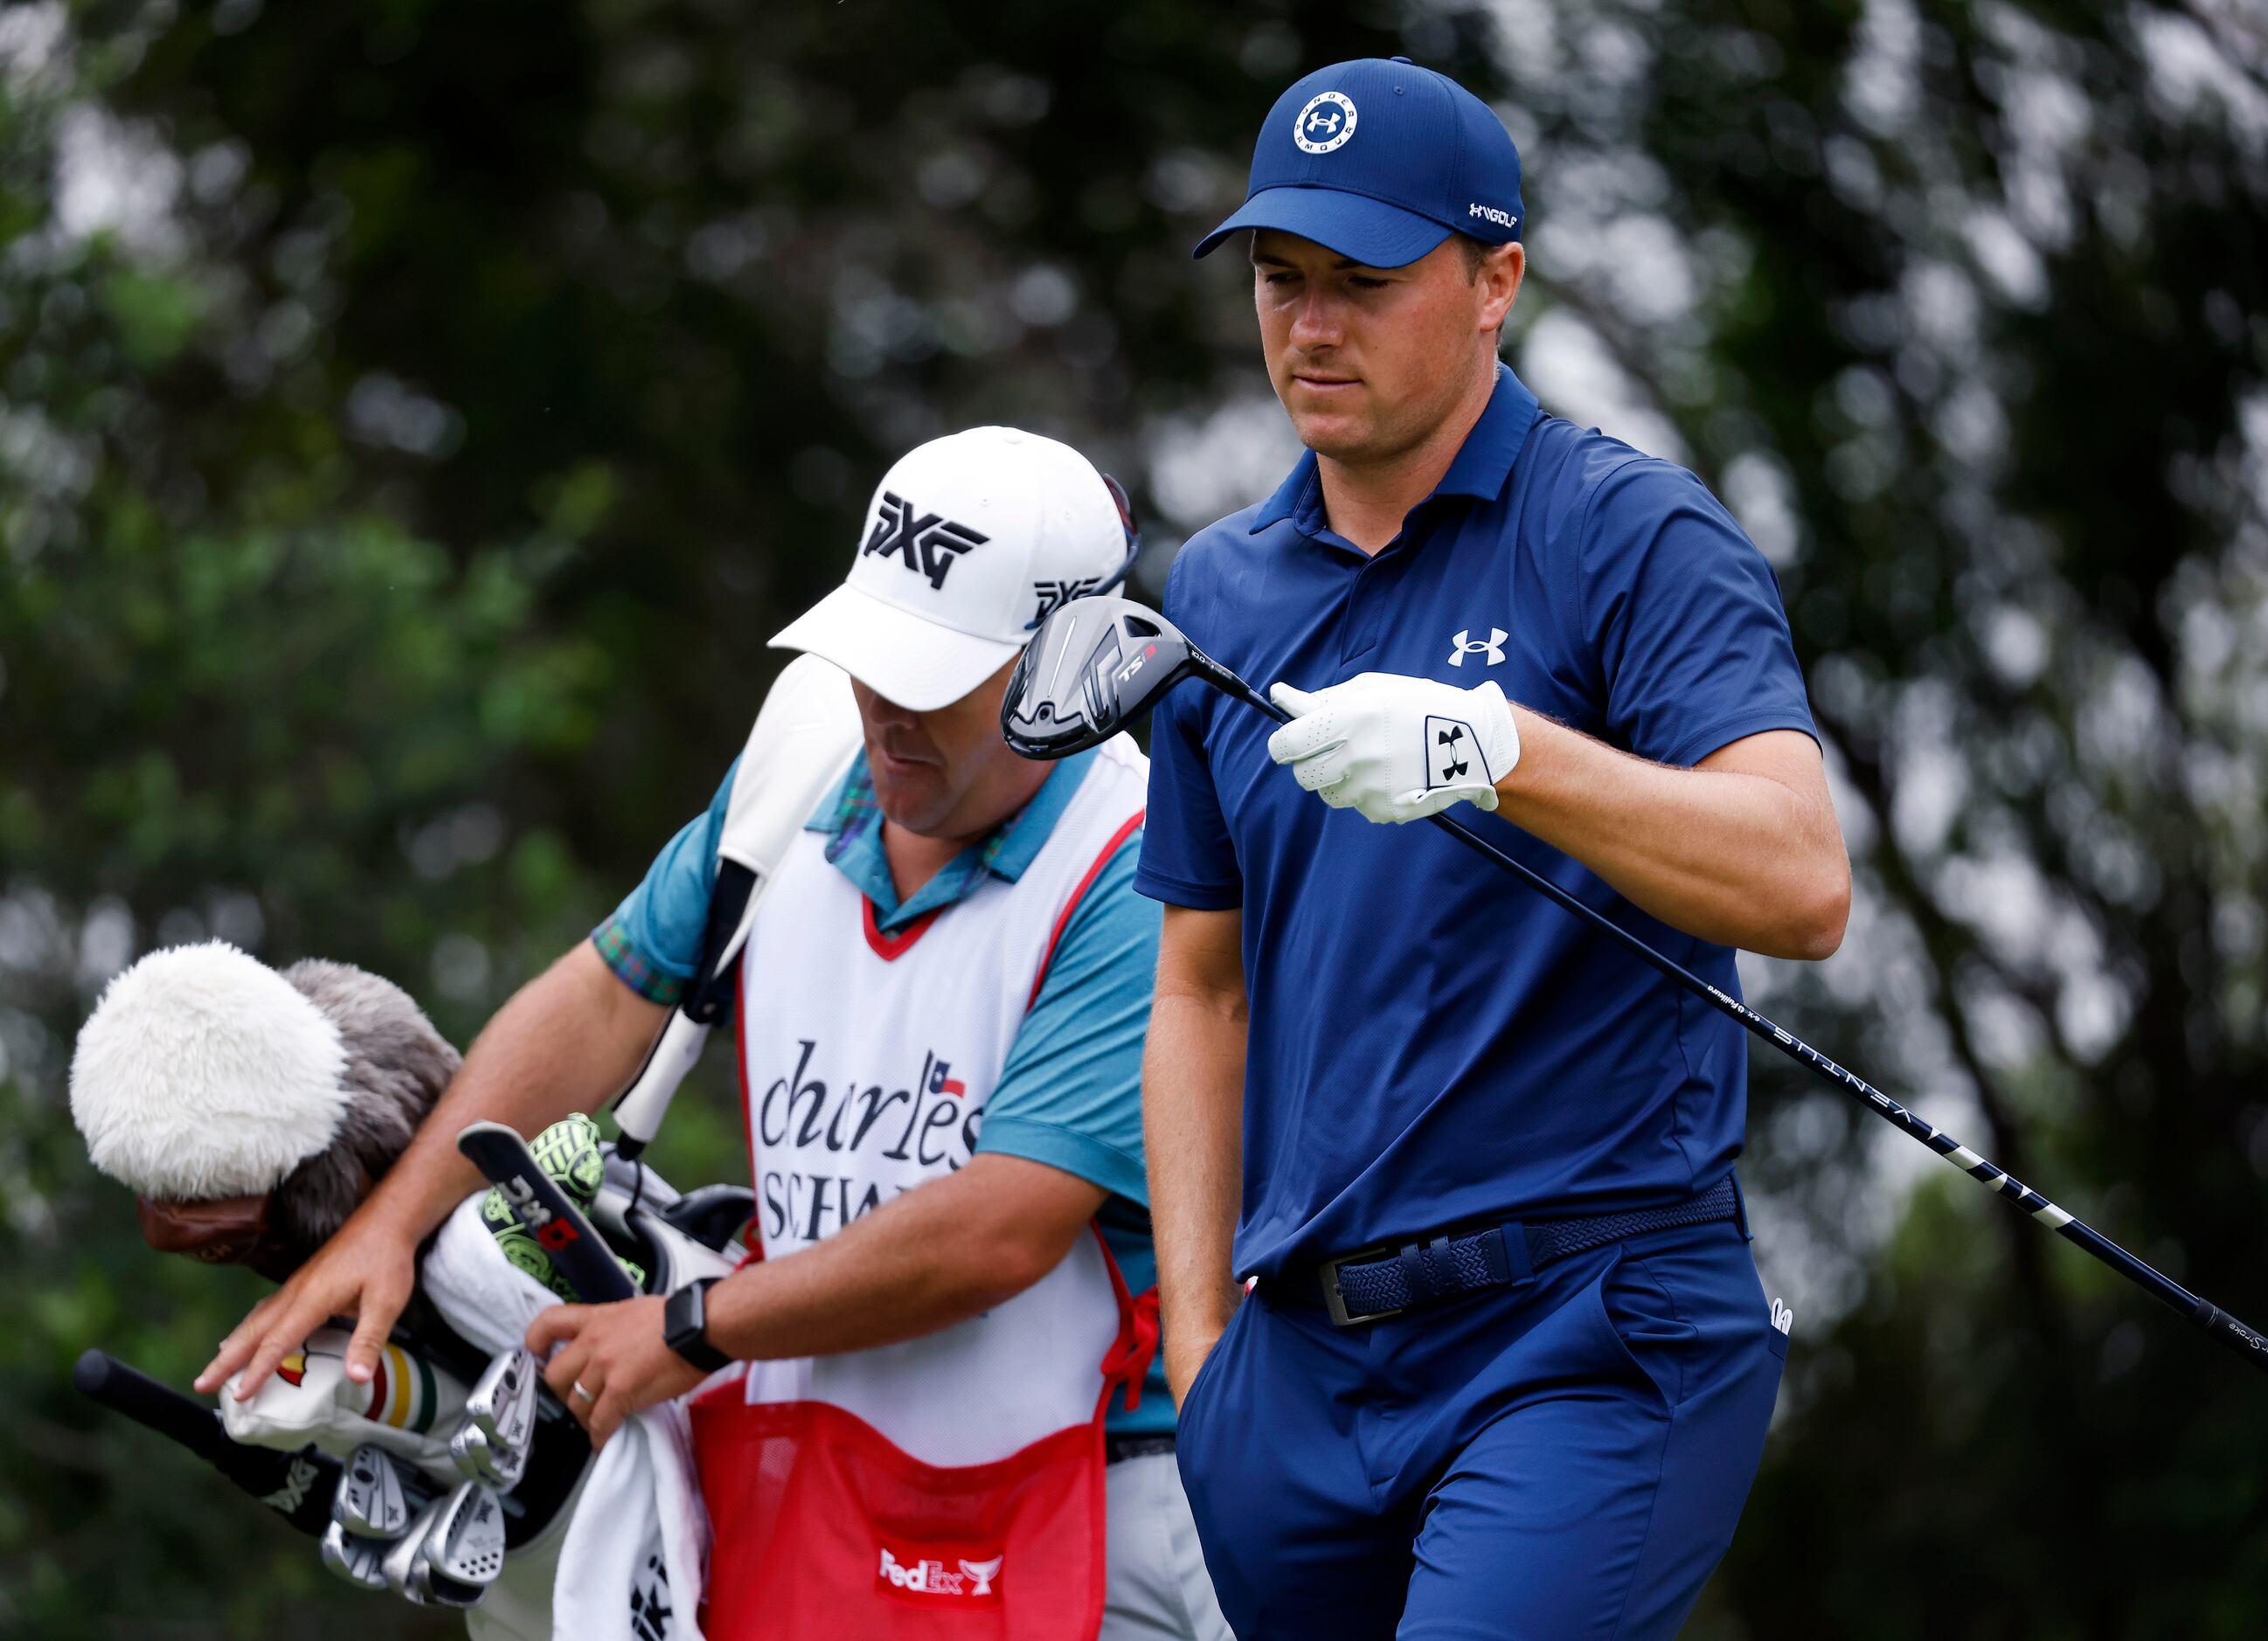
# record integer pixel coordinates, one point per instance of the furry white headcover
(203, 1073)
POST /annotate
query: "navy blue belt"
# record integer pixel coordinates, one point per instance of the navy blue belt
(1118, 1448)
(1379, 1282)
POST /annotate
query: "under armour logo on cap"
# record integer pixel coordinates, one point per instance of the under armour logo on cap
(1325, 123)
(1465, 645)
(928, 543)
(1424, 159)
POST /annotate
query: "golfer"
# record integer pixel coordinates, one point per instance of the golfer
(939, 1016)
(1506, 1366)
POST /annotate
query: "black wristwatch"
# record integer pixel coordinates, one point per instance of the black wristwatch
(685, 1325)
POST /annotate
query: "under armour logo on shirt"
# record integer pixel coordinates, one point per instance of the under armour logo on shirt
(928, 543)
(1465, 645)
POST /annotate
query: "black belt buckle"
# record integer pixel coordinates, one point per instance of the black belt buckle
(1335, 1302)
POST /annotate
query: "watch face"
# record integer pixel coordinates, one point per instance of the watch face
(685, 1315)
(685, 1323)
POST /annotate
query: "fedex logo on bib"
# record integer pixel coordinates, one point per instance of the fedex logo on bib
(964, 1582)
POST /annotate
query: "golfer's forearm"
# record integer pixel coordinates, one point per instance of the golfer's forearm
(566, 1042)
(1734, 856)
(939, 1254)
(1193, 1135)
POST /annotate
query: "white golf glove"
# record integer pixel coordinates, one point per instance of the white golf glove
(1396, 749)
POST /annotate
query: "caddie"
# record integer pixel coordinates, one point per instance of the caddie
(1506, 1366)
(933, 1389)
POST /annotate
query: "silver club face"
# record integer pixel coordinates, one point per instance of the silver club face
(503, 1403)
(479, 1460)
(376, 1497)
(358, 1560)
(467, 1543)
(404, 1563)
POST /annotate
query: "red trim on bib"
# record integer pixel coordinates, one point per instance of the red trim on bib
(891, 948)
(1062, 918)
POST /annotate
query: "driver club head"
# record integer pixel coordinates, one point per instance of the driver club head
(377, 1494)
(359, 1561)
(1094, 666)
(466, 1545)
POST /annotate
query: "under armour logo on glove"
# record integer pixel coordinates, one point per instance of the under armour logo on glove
(1465, 645)
(1396, 749)
(928, 543)
(1450, 740)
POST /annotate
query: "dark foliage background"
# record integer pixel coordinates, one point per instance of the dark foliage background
(414, 418)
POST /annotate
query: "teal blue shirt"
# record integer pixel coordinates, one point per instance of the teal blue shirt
(1071, 1093)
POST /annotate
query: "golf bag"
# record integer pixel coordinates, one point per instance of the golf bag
(295, 1444)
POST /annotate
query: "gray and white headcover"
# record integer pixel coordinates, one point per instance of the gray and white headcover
(203, 1074)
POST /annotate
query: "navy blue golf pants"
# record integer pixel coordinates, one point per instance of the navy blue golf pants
(1557, 1461)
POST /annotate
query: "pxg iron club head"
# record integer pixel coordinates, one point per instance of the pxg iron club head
(404, 1561)
(464, 1551)
(492, 1444)
(360, 1561)
(1093, 668)
(378, 1496)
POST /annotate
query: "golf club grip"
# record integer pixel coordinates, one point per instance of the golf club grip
(103, 1378)
(2233, 1333)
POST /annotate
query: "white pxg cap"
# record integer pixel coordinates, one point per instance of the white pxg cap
(970, 540)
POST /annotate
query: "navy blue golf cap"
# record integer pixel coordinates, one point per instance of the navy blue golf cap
(1381, 160)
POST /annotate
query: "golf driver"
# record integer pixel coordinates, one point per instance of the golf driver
(360, 1561)
(1097, 664)
(377, 1497)
(491, 1446)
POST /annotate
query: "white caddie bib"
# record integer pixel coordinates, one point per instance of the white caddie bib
(866, 1060)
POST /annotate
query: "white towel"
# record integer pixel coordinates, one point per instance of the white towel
(635, 1556)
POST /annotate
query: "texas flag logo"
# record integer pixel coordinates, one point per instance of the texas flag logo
(939, 1083)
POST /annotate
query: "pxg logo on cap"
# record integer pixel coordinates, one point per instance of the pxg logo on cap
(965, 535)
(928, 542)
(1381, 161)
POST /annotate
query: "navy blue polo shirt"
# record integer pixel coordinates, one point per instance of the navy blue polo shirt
(1431, 1042)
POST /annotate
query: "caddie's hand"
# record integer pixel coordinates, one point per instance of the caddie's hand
(367, 1272)
(1396, 749)
(612, 1361)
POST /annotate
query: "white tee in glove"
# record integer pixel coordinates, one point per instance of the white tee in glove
(1397, 748)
